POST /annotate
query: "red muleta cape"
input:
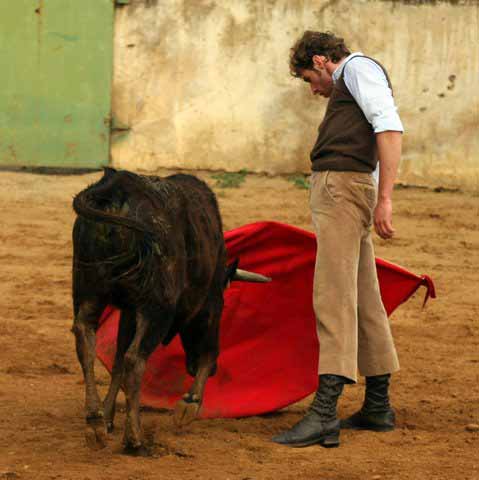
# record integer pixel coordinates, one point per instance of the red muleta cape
(268, 344)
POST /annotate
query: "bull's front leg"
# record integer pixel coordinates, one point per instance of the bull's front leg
(201, 344)
(187, 409)
(84, 328)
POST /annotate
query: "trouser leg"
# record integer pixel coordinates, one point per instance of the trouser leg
(338, 232)
(376, 351)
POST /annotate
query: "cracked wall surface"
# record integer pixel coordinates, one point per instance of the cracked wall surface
(204, 84)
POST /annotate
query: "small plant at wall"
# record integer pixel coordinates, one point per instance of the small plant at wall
(230, 179)
(300, 181)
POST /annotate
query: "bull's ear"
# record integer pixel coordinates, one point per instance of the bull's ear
(231, 271)
(108, 172)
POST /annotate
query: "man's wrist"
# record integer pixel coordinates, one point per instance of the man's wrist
(384, 198)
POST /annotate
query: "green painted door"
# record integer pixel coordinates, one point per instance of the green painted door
(56, 61)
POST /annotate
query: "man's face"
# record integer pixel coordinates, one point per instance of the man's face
(320, 81)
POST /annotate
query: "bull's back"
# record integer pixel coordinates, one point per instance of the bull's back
(197, 193)
(200, 208)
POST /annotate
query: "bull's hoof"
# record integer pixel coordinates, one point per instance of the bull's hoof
(186, 410)
(95, 433)
(136, 451)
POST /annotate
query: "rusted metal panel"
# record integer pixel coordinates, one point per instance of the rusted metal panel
(56, 66)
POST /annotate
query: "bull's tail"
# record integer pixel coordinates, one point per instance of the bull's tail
(135, 267)
(85, 203)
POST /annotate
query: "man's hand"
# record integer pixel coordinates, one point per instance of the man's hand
(383, 214)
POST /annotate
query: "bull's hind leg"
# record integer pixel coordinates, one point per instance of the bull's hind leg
(201, 344)
(85, 324)
(126, 332)
(152, 325)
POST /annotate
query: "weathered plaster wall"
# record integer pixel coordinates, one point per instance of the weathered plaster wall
(205, 83)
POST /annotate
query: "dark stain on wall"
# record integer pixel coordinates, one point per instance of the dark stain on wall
(452, 80)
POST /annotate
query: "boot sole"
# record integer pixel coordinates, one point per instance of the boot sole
(371, 428)
(331, 441)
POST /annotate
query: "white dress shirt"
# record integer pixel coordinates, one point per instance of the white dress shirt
(368, 85)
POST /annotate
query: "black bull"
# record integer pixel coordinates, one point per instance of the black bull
(154, 248)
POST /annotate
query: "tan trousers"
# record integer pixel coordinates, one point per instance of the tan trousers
(352, 324)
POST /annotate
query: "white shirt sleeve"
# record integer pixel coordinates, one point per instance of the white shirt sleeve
(368, 85)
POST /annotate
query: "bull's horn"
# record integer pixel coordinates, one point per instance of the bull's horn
(245, 276)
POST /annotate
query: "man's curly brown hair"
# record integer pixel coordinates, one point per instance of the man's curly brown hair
(315, 43)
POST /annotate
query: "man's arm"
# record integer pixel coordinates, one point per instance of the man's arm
(389, 153)
(368, 85)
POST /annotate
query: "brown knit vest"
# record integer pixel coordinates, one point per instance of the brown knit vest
(346, 140)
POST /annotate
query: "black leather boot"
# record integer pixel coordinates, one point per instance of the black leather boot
(376, 413)
(320, 424)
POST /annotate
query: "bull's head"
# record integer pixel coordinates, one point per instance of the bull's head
(233, 273)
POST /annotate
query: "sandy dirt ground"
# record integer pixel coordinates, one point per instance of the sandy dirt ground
(436, 394)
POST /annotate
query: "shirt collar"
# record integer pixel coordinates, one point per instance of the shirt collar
(338, 71)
